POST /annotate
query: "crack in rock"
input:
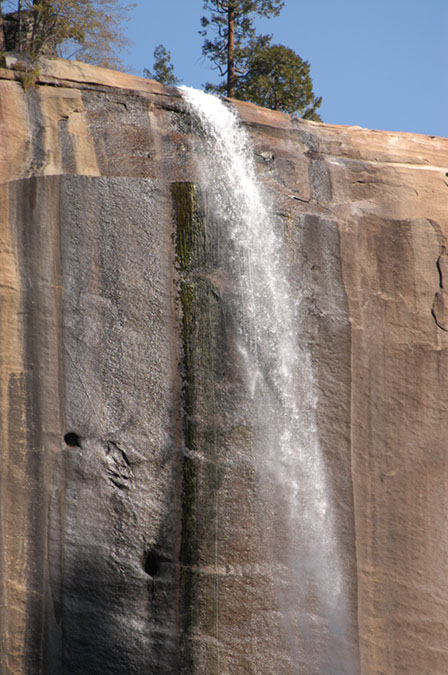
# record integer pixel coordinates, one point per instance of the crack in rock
(118, 469)
(439, 308)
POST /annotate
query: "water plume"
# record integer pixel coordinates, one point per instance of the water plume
(280, 384)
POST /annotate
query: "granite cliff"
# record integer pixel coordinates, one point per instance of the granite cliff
(125, 431)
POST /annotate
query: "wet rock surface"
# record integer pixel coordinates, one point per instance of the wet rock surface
(136, 533)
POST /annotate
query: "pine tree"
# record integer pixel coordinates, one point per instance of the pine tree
(163, 69)
(279, 79)
(233, 23)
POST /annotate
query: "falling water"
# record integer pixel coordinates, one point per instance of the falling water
(280, 382)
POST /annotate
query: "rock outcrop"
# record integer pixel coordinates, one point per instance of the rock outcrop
(134, 536)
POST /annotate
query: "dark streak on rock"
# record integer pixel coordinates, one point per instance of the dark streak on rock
(299, 199)
(439, 270)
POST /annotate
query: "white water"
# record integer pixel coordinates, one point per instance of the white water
(312, 597)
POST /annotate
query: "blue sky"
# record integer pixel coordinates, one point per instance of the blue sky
(381, 65)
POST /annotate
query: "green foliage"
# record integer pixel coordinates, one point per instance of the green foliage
(232, 22)
(279, 79)
(27, 74)
(88, 30)
(163, 69)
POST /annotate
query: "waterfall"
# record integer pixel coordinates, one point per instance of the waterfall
(280, 385)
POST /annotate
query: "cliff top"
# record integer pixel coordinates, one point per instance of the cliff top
(61, 90)
(61, 72)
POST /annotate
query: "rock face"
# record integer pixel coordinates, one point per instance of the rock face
(135, 535)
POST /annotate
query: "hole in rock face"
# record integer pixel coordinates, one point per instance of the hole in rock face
(153, 563)
(72, 440)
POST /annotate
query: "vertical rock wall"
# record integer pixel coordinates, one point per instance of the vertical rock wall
(135, 535)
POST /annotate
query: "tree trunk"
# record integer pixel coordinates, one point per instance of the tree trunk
(19, 26)
(276, 102)
(2, 37)
(34, 31)
(231, 52)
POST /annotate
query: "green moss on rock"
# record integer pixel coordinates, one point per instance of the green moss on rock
(203, 346)
(185, 204)
(184, 199)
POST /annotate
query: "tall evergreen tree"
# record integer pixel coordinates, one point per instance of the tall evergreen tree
(232, 21)
(163, 69)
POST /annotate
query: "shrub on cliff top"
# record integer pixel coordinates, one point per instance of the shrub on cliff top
(163, 69)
